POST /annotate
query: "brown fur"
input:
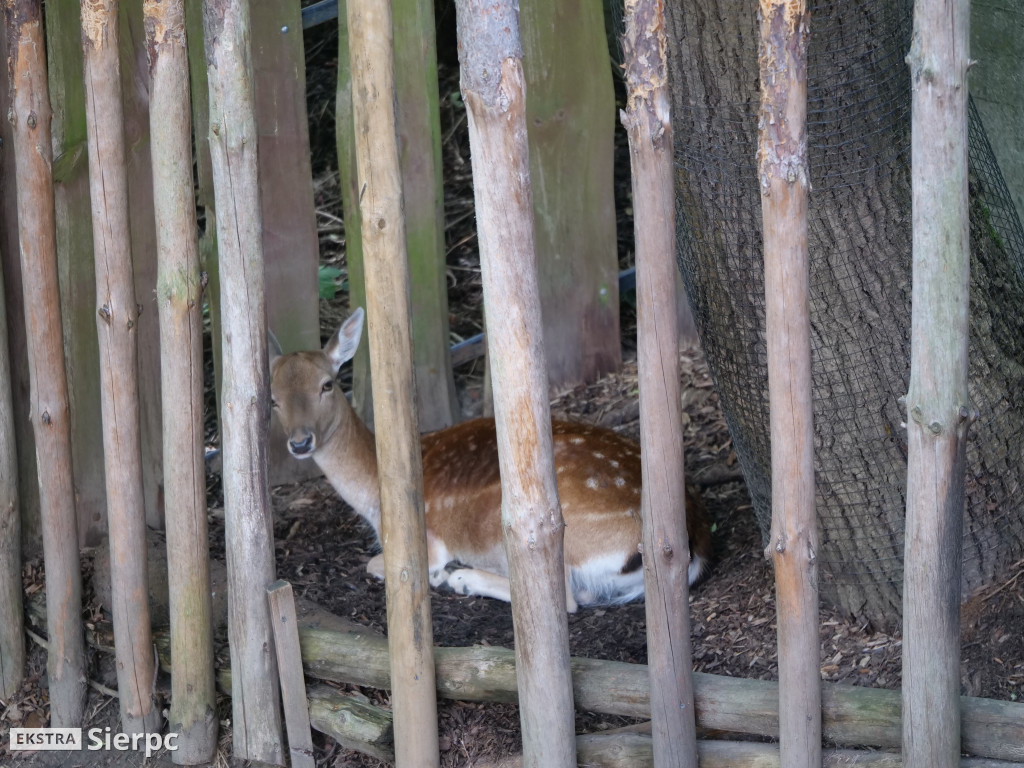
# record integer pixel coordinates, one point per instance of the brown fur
(597, 472)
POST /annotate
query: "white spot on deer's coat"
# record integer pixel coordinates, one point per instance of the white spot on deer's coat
(620, 482)
(592, 483)
(576, 440)
(598, 455)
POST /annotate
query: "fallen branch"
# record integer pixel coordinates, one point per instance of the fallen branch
(337, 650)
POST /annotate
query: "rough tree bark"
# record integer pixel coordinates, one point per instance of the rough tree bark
(116, 324)
(793, 543)
(859, 240)
(939, 409)
(665, 545)
(30, 115)
(403, 529)
(493, 89)
(245, 393)
(179, 299)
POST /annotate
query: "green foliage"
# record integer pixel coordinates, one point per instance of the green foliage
(331, 280)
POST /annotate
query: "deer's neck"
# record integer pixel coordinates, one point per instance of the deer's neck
(349, 461)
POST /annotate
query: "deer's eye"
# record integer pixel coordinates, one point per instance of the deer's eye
(327, 386)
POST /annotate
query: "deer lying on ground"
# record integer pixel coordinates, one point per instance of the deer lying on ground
(597, 472)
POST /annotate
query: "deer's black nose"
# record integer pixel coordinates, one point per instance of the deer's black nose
(302, 447)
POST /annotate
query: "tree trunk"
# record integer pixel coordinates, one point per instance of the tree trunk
(939, 408)
(12, 628)
(493, 89)
(570, 117)
(997, 86)
(793, 544)
(245, 397)
(403, 529)
(30, 115)
(179, 296)
(665, 545)
(859, 243)
(117, 323)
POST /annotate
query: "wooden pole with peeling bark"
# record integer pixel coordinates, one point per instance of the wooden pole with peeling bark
(665, 544)
(403, 528)
(30, 115)
(493, 89)
(938, 404)
(116, 324)
(245, 393)
(784, 180)
(193, 714)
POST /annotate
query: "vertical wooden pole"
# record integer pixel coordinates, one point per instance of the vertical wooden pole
(570, 118)
(494, 91)
(30, 115)
(782, 159)
(245, 395)
(938, 404)
(12, 622)
(665, 545)
(403, 530)
(419, 133)
(116, 324)
(419, 127)
(179, 300)
(362, 399)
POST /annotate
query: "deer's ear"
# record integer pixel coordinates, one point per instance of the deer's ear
(343, 344)
(273, 349)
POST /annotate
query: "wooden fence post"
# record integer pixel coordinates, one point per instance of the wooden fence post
(245, 393)
(665, 545)
(179, 300)
(784, 181)
(403, 529)
(939, 410)
(30, 115)
(117, 323)
(418, 125)
(12, 627)
(493, 89)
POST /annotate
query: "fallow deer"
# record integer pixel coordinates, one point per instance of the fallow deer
(597, 472)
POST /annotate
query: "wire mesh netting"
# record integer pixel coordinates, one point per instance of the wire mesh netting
(860, 248)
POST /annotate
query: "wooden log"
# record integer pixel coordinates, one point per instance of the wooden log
(12, 622)
(352, 722)
(793, 542)
(116, 324)
(493, 88)
(663, 503)
(340, 651)
(939, 409)
(403, 529)
(289, 665)
(245, 395)
(179, 301)
(851, 715)
(634, 750)
(30, 116)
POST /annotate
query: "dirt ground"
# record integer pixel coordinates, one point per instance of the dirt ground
(322, 549)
